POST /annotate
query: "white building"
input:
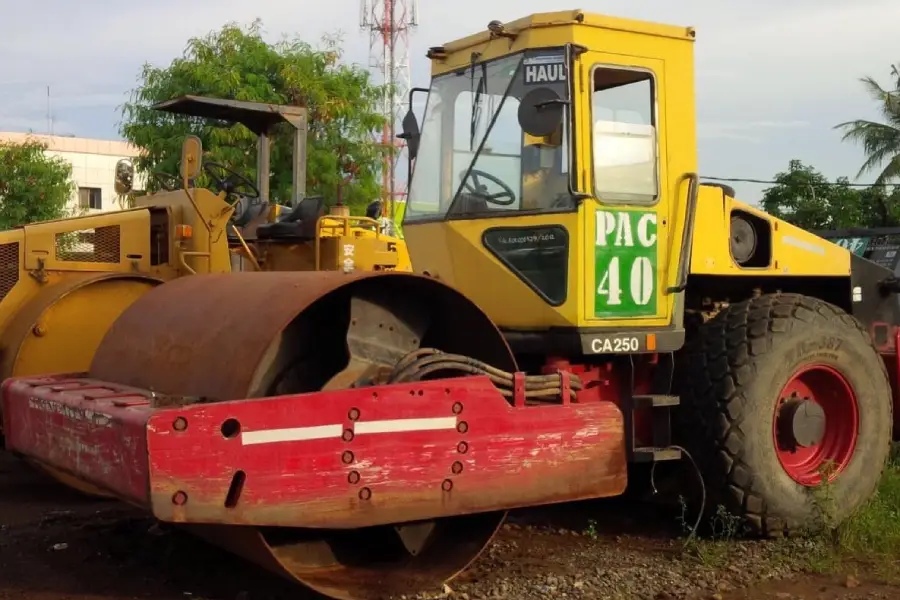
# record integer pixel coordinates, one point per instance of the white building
(93, 167)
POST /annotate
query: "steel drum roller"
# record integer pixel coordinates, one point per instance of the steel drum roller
(242, 335)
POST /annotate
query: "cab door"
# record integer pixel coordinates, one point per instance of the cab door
(627, 217)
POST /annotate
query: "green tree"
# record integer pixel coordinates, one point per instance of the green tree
(236, 63)
(880, 140)
(879, 206)
(33, 185)
(804, 197)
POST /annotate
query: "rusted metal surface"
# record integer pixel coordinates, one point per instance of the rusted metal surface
(80, 429)
(245, 335)
(317, 561)
(382, 330)
(238, 335)
(43, 337)
(258, 117)
(359, 458)
(309, 465)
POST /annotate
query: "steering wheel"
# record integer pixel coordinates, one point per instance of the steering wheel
(474, 187)
(232, 182)
(167, 181)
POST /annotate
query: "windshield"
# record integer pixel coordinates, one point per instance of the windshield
(473, 157)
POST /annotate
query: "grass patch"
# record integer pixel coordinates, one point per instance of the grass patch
(868, 542)
(871, 537)
(715, 549)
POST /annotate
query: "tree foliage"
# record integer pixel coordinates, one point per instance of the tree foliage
(880, 140)
(237, 63)
(806, 198)
(33, 185)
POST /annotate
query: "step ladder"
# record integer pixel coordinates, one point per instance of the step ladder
(660, 407)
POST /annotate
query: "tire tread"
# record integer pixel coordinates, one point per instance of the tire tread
(719, 362)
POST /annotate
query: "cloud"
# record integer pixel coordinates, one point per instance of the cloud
(772, 78)
(36, 125)
(754, 132)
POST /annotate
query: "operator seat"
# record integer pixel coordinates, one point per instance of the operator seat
(374, 210)
(297, 225)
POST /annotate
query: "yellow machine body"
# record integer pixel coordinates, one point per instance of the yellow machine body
(609, 220)
(555, 190)
(342, 243)
(64, 282)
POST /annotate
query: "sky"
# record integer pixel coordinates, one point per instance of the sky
(772, 78)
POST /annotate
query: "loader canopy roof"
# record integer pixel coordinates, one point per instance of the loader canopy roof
(258, 117)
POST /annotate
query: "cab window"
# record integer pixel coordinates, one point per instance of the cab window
(625, 150)
(501, 155)
(474, 160)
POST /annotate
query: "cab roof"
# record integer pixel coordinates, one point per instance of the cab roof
(573, 17)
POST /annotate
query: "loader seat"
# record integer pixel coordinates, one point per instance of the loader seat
(297, 225)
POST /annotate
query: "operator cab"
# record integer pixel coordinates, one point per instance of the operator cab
(254, 212)
(556, 160)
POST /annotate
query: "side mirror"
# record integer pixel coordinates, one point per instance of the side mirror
(411, 133)
(541, 112)
(191, 158)
(124, 177)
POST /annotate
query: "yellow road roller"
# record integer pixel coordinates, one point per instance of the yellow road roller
(579, 303)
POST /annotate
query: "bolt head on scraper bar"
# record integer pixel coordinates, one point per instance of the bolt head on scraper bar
(338, 459)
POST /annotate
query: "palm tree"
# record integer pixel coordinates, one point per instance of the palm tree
(880, 141)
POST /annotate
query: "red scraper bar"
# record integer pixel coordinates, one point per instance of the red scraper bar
(339, 459)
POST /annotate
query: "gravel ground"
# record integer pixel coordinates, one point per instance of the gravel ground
(55, 545)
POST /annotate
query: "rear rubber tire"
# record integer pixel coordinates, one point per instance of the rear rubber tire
(734, 370)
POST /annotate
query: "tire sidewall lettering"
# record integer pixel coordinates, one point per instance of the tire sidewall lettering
(736, 367)
(804, 347)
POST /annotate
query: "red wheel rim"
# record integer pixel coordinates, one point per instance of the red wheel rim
(820, 394)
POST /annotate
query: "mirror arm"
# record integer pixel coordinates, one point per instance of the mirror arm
(554, 102)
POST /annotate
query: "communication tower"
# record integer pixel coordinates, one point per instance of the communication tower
(389, 23)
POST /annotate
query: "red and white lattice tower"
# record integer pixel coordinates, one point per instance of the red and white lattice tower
(389, 23)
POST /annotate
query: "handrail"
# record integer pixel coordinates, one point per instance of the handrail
(687, 238)
(185, 253)
(246, 248)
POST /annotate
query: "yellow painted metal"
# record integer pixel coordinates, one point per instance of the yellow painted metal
(64, 282)
(349, 242)
(452, 249)
(551, 29)
(796, 252)
(191, 158)
(59, 329)
(342, 243)
(206, 251)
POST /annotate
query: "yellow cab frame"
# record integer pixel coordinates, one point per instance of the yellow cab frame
(603, 113)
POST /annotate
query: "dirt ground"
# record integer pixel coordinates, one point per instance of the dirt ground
(57, 545)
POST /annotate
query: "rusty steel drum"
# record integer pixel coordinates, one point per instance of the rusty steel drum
(251, 334)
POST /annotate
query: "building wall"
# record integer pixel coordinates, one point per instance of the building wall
(93, 167)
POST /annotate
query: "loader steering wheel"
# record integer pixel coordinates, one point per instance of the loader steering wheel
(474, 187)
(233, 183)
